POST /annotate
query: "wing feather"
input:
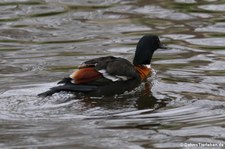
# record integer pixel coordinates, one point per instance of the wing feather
(119, 68)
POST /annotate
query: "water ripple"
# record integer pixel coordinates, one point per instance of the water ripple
(42, 41)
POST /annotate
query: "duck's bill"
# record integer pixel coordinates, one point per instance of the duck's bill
(162, 46)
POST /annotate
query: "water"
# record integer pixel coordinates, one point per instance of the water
(180, 106)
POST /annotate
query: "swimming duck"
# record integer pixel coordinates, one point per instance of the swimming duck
(107, 76)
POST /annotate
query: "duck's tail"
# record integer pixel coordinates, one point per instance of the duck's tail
(68, 88)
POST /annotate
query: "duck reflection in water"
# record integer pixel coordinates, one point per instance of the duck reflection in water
(139, 99)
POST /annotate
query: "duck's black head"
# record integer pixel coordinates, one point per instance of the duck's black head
(146, 46)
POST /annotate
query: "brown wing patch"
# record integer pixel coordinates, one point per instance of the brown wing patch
(85, 75)
(143, 71)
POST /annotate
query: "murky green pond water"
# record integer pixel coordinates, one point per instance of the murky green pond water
(42, 41)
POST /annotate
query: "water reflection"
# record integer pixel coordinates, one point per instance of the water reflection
(42, 41)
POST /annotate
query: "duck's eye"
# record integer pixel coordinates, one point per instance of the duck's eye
(158, 41)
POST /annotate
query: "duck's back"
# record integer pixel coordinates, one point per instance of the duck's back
(111, 68)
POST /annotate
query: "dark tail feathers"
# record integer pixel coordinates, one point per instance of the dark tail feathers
(68, 88)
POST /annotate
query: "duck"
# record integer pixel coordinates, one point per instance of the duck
(110, 75)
